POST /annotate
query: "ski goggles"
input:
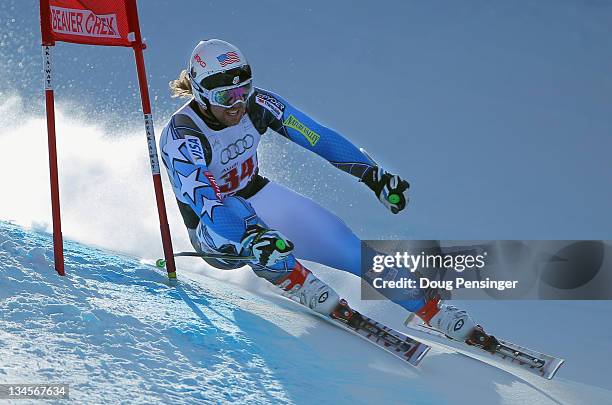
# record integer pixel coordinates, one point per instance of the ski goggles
(229, 96)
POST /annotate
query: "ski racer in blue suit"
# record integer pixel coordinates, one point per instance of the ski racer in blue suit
(209, 147)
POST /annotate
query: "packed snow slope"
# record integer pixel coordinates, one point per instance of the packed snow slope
(117, 332)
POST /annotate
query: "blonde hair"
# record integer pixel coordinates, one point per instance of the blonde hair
(181, 87)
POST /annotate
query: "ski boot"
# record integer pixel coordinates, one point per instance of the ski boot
(304, 287)
(453, 322)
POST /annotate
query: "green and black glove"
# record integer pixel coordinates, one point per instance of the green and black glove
(389, 188)
(267, 245)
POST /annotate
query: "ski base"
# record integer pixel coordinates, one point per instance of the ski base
(508, 353)
(398, 344)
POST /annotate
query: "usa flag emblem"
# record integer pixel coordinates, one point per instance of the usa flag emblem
(228, 58)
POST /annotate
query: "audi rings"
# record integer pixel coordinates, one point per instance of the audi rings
(233, 150)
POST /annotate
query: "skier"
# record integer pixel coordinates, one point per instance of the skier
(209, 147)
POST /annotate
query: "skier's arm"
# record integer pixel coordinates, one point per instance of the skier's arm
(295, 125)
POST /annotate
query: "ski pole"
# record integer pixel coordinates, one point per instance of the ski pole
(161, 262)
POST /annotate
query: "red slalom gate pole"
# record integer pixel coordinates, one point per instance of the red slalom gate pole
(138, 47)
(58, 245)
(47, 46)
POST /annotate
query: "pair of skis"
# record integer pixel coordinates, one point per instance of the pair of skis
(411, 347)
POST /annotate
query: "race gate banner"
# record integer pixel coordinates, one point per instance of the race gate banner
(94, 22)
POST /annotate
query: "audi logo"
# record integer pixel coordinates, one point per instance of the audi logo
(233, 150)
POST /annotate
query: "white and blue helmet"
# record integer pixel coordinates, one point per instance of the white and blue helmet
(219, 73)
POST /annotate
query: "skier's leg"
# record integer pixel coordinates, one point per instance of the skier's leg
(324, 239)
(290, 275)
(318, 235)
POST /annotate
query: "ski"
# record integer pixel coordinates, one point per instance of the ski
(486, 347)
(398, 344)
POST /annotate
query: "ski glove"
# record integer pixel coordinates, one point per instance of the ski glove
(268, 246)
(389, 188)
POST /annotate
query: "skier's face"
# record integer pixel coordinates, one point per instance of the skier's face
(228, 116)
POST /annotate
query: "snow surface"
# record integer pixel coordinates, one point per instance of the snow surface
(117, 333)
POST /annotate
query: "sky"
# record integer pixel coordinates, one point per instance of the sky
(498, 113)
